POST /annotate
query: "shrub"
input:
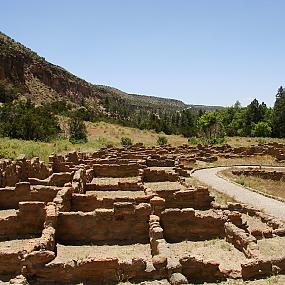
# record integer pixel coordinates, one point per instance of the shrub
(8, 92)
(77, 131)
(22, 120)
(214, 140)
(125, 141)
(194, 140)
(261, 129)
(162, 140)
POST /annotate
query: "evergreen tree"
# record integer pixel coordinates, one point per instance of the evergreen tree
(278, 116)
(77, 130)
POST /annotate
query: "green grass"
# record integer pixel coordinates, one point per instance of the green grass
(12, 148)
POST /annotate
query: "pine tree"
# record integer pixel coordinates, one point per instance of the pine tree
(279, 114)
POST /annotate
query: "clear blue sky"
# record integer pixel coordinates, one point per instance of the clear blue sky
(210, 52)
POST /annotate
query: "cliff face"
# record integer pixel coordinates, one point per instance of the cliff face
(24, 68)
(12, 67)
(42, 81)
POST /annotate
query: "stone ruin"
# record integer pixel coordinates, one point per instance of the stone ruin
(268, 174)
(128, 214)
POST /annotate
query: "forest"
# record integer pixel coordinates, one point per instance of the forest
(20, 118)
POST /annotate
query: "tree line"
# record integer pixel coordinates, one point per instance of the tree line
(20, 118)
(256, 119)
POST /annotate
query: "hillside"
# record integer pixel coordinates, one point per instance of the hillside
(41, 81)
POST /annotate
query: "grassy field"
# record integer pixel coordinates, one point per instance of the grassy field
(101, 134)
(267, 186)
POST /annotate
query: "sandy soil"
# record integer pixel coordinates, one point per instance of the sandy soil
(115, 181)
(17, 245)
(272, 247)
(255, 223)
(7, 213)
(165, 186)
(166, 169)
(66, 253)
(155, 282)
(217, 249)
(273, 280)
(118, 194)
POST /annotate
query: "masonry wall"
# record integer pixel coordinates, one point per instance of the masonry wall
(180, 225)
(116, 170)
(10, 197)
(126, 223)
(88, 203)
(27, 221)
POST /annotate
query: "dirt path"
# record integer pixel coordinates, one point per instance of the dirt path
(239, 193)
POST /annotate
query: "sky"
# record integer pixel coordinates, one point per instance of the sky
(211, 52)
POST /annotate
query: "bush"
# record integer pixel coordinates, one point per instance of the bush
(77, 131)
(125, 141)
(162, 140)
(216, 140)
(194, 140)
(22, 120)
(261, 129)
(8, 92)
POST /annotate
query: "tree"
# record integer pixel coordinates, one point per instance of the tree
(126, 141)
(77, 130)
(22, 120)
(278, 116)
(210, 125)
(255, 113)
(8, 92)
(261, 129)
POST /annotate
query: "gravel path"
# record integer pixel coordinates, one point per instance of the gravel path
(239, 193)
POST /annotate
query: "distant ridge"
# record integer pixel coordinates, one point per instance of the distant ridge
(41, 81)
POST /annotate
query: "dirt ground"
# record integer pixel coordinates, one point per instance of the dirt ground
(115, 181)
(66, 253)
(267, 186)
(7, 213)
(255, 223)
(118, 194)
(17, 245)
(165, 186)
(272, 247)
(155, 282)
(217, 249)
(272, 280)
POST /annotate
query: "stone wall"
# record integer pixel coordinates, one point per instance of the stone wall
(10, 197)
(28, 220)
(126, 223)
(189, 224)
(264, 174)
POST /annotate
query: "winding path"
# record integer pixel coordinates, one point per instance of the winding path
(239, 193)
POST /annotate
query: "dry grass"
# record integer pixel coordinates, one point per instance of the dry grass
(272, 247)
(118, 194)
(115, 181)
(101, 134)
(114, 132)
(7, 213)
(272, 280)
(267, 186)
(254, 223)
(155, 282)
(156, 186)
(17, 245)
(217, 249)
(67, 253)
(248, 141)
(253, 160)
